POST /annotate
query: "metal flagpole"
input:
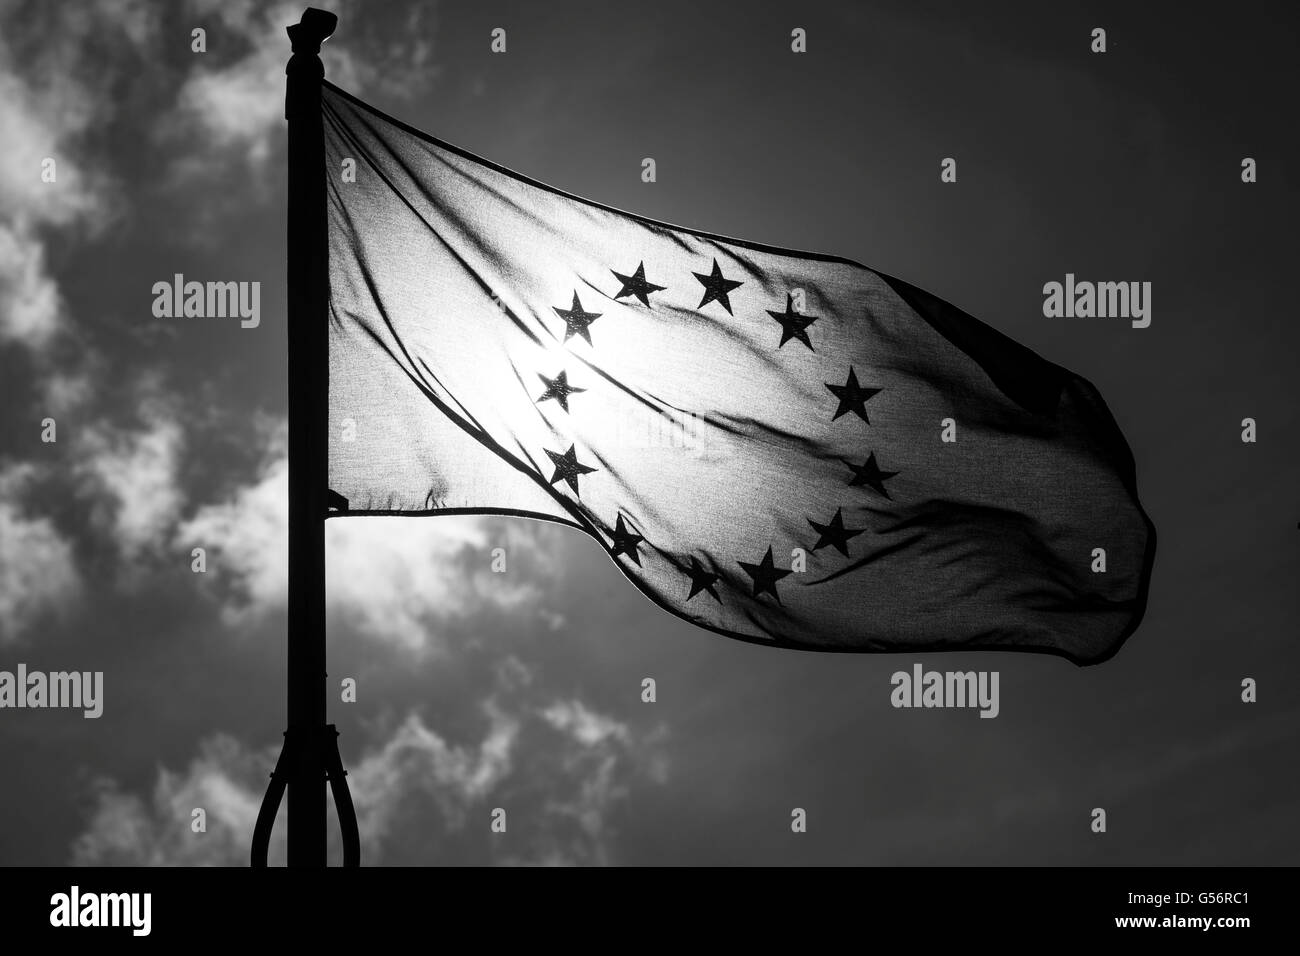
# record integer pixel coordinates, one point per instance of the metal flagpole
(309, 756)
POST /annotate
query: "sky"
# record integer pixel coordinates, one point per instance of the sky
(522, 690)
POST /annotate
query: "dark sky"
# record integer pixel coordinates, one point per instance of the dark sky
(522, 690)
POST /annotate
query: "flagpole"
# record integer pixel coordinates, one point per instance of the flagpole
(310, 755)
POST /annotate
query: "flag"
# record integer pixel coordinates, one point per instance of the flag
(783, 447)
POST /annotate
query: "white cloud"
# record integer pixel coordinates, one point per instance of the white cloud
(31, 310)
(38, 572)
(241, 103)
(600, 758)
(417, 763)
(585, 726)
(390, 578)
(410, 790)
(133, 475)
(60, 67)
(129, 479)
(247, 541)
(66, 390)
(225, 780)
(237, 103)
(51, 96)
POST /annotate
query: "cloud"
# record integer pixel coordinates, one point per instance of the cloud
(595, 762)
(416, 763)
(38, 573)
(123, 487)
(225, 780)
(413, 791)
(127, 478)
(64, 391)
(133, 478)
(390, 578)
(240, 103)
(58, 65)
(586, 727)
(63, 68)
(31, 310)
(235, 102)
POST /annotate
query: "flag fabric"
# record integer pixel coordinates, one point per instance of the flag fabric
(783, 447)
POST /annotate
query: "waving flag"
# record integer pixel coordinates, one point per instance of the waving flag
(783, 447)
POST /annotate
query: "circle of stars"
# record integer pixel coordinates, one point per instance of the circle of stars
(851, 397)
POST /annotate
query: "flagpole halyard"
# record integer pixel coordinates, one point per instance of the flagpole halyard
(310, 756)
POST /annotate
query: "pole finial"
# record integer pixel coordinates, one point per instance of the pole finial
(312, 29)
(304, 69)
